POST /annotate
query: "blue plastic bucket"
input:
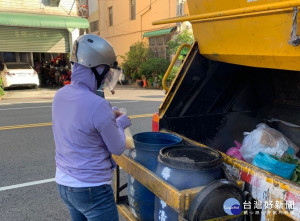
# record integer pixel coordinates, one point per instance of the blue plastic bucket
(185, 167)
(147, 147)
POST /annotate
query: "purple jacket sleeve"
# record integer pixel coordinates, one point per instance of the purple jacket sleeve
(112, 135)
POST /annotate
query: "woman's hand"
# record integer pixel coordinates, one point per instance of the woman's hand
(117, 113)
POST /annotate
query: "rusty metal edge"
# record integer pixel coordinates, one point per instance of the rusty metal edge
(173, 197)
(125, 212)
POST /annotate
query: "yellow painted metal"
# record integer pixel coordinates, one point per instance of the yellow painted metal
(189, 195)
(265, 8)
(245, 32)
(175, 85)
(277, 181)
(241, 184)
(180, 201)
(159, 187)
(172, 64)
(125, 212)
(253, 170)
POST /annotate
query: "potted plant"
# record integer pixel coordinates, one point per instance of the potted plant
(139, 82)
(159, 81)
(150, 82)
(153, 68)
(1, 88)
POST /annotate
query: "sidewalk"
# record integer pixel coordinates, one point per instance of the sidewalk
(123, 92)
(28, 96)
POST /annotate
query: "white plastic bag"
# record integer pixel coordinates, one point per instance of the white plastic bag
(263, 139)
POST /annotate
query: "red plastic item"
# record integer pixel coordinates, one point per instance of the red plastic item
(155, 122)
(144, 83)
(66, 82)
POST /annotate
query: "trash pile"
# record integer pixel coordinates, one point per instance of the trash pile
(270, 150)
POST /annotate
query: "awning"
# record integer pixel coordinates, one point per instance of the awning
(158, 32)
(42, 21)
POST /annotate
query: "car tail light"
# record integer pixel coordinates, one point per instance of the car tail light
(9, 74)
(155, 122)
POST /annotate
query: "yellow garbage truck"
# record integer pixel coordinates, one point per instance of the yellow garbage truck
(241, 72)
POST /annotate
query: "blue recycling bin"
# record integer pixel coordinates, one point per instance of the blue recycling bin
(147, 147)
(185, 167)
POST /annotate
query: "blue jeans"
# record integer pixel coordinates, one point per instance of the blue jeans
(90, 203)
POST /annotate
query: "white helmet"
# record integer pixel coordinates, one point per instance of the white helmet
(91, 51)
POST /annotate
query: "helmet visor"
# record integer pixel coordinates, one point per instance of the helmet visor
(111, 79)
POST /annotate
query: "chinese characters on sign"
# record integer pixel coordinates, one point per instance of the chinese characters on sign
(277, 207)
(29, 34)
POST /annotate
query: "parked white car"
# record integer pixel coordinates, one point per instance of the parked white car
(18, 74)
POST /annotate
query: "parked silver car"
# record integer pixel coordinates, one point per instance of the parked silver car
(18, 74)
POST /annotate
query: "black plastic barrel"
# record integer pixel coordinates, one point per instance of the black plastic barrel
(185, 167)
(147, 147)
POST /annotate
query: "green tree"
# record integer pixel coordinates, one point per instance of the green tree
(133, 59)
(184, 37)
(1, 88)
(154, 66)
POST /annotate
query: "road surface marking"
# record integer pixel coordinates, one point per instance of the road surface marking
(26, 184)
(140, 116)
(50, 123)
(21, 108)
(25, 126)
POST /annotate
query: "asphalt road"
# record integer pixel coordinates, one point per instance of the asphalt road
(27, 166)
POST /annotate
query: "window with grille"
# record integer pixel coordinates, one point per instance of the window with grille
(94, 25)
(110, 14)
(160, 40)
(158, 46)
(152, 41)
(132, 10)
(51, 3)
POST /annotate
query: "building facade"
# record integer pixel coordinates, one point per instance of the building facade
(93, 16)
(124, 22)
(32, 30)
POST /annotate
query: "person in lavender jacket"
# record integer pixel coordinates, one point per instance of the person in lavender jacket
(87, 136)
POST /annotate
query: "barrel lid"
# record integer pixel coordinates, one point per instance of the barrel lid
(190, 157)
(154, 141)
(215, 200)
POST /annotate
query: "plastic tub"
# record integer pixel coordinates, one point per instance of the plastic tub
(185, 167)
(147, 147)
